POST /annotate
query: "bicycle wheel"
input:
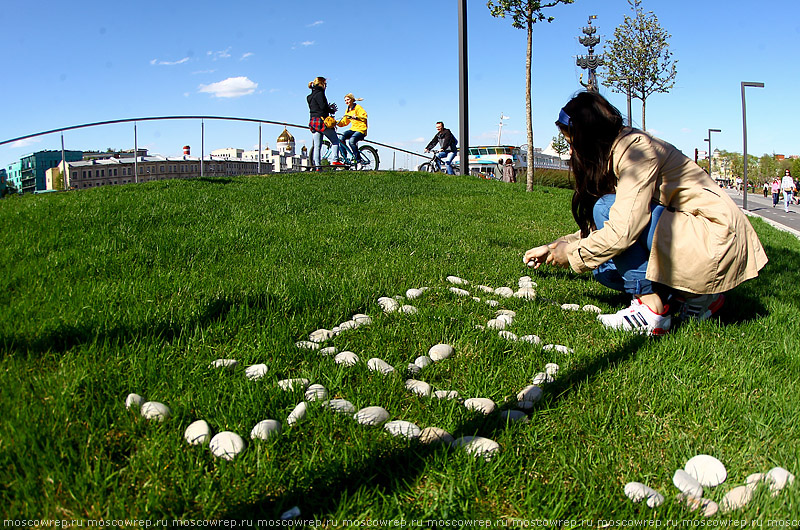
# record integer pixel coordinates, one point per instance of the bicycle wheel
(325, 150)
(427, 167)
(369, 158)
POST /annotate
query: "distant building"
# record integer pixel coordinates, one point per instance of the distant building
(32, 168)
(14, 175)
(100, 155)
(284, 159)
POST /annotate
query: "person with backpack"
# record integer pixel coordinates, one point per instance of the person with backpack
(787, 184)
(448, 146)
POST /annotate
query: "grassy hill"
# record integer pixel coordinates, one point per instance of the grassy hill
(138, 289)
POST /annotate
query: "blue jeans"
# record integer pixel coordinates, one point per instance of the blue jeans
(317, 145)
(626, 271)
(448, 157)
(351, 138)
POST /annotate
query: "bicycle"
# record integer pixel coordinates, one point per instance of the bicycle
(437, 165)
(367, 153)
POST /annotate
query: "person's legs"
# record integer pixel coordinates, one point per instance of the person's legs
(450, 156)
(316, 155)
(774, 200)
(787, 198)
(352, 140)
(330, 133)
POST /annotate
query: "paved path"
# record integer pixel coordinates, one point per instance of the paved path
(758, 206)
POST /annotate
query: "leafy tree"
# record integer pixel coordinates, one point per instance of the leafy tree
(638, 58)
(560, 144)
(524, 14)
(767, 167)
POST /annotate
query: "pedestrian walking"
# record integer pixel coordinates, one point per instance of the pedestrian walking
(776, 191)
(787, 185)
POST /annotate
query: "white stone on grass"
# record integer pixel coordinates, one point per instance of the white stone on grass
(687, 484)
(298, 383)
(486, 289)
(496, 323)
(361, 319)
(533, 339)
(526, 405)
(320, 335)
(408, 310)
(482, 405)
(459, 292)
(197, 433)
(371, 415)
(526, 293)
(402, 428)
(439, 352)
(557, 347)
(505, 292)
(307, 345)
(514, 416)
(339, 405)
(475, 298)
(298, 413)
(255, 372)
(551, 369)
(153, 410)
(228, 364)
(420, 388)
(754, 479)
(570, 307)
(446, 394)
(347, 324)
(736, 498)
(508, 312)
(379, 365)
(507, 335)
(542, 378)
(637, 492)
(589, 308)
(291, 513)
(316, 392)
(526, 281)
(226, 445)
(492, 303)
(435, 435)
(389, 305)
(265, 429)
(708, 506)
(423, 360)
(707, 470)
(457, 281)
(413, 293)
(413, 369)
(133, 400)
(330, 350)
(778, 478)
(530, 393)
(346, 358)
(506, 317)
(478, 446)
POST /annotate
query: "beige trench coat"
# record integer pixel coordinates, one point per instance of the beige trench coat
(703, 243)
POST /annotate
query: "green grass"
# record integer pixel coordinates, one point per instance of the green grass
(139, 288)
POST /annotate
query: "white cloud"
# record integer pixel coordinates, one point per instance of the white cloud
(169, 63)
(223, 54)
(246, 55)
(233, 87)
(25, 142)
(307, 43)
(317, 23)
(204, 72)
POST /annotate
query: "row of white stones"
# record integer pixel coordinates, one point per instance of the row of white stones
(704, 471)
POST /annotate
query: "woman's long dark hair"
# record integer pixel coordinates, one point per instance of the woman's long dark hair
(594, 125)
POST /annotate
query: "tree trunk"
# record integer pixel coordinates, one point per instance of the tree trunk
(528, 110)
(644, 127)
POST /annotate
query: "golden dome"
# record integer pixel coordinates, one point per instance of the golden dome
(285, 137)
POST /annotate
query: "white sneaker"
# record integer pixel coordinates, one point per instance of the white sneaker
(640, 318)
(703, 306)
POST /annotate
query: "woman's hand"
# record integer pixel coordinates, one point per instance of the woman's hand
(536, 256)
(558, 254)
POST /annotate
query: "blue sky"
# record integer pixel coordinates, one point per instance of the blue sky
(68, 63)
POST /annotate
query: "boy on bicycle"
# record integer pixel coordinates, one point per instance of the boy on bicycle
(448, 145)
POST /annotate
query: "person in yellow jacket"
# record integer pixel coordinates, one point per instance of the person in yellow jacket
(356, 117)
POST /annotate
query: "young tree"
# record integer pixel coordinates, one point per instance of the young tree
(524, 14)
(560, 145)
(638, 57)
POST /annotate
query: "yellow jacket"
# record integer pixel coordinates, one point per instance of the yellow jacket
(702, 244)
(358, 116)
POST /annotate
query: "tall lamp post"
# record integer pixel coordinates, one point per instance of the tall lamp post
(710, 151)
(744, 138)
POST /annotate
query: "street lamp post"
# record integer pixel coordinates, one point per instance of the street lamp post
(710, 151)
(744, 138)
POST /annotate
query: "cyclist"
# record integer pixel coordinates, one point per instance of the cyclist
(356, 115)
(447, 143)
(322, 122)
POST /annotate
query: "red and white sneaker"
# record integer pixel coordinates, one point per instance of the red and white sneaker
(702, 307)
(639, 318)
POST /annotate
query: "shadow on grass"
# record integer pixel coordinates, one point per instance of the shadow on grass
(395, 468)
